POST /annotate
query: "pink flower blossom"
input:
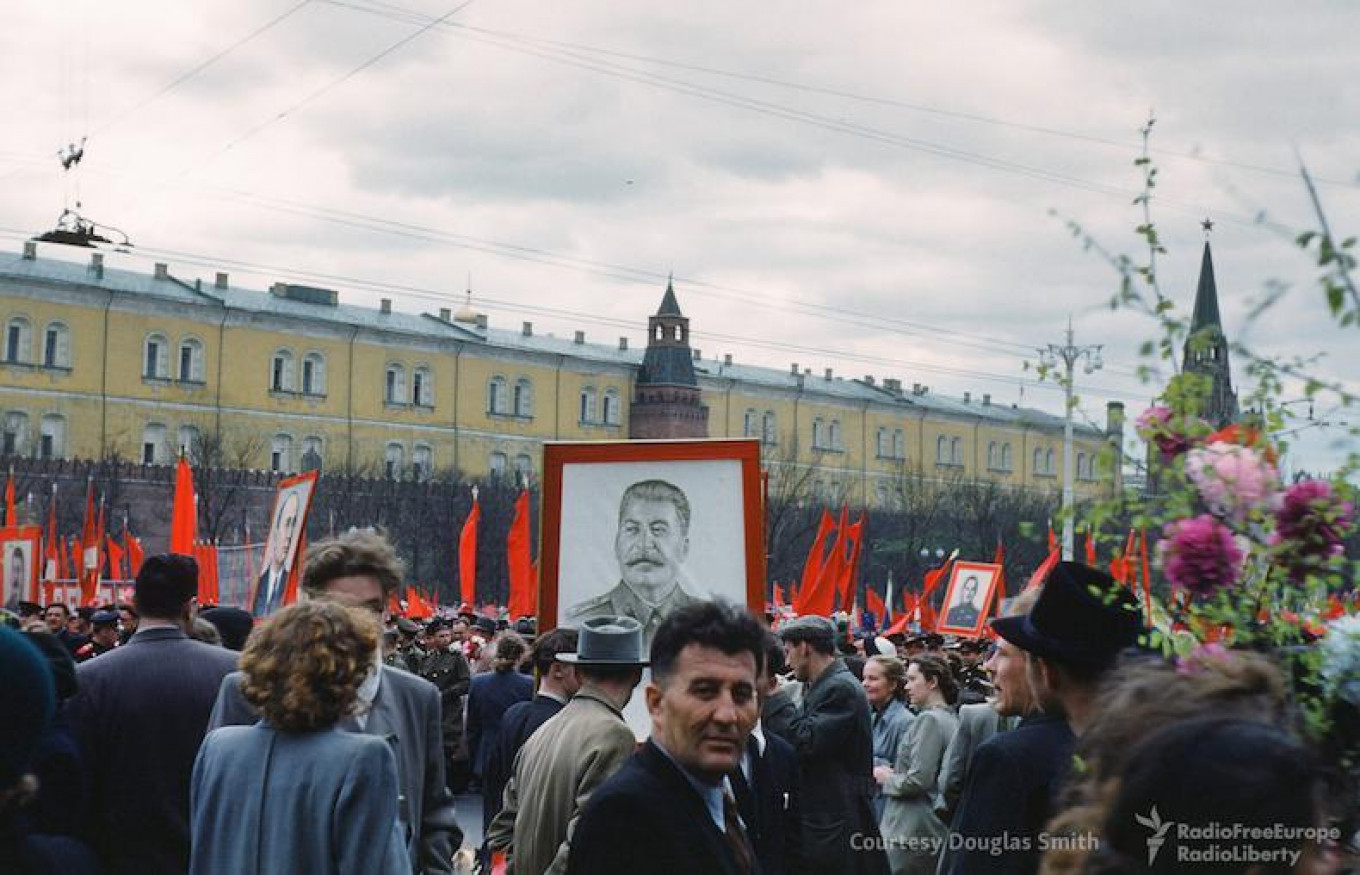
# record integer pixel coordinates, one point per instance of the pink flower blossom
(1200, 555)
(1158, 425)
(1309, 527)
(1233, 480)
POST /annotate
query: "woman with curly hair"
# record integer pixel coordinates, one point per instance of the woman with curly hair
(293, 793)
(913, 833)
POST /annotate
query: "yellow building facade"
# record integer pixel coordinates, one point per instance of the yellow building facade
(96, 361)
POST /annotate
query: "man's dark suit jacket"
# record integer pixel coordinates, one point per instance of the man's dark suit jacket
(140, 715)
(1012, 783)
(770, 807)
(648, 819)
(406, 714)
(517, 724)
(489, 697)
(833, 737)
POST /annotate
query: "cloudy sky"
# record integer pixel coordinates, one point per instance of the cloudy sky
(877, 187)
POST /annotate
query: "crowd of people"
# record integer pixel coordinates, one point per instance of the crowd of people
(152, 737)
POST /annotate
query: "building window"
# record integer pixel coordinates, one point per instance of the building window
(14, 440)
(1007, 462)
(837, 440)
(281, 454)
(524, 468)
(1048, 462)
(942, 451)
(422, 462)
(496, 402)
(768, 430)
(588, 401)
(1043, 462)
(153, 444)
(313, 374)
(156, 360)
(312, 453)
(956, 451)
(611, 406)
(818, 434)
(899, 444)
(281, 371)
(18, 340)
(993, 454)
(57, 346)
(524, 398)
(191, 361)
(422, 387)
(394, 390)
(497, 465)
(750, 424)
(52, 440)
(190, 443)
(394, 461)
(881, 442)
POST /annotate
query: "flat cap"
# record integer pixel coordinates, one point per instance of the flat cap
(810, 626)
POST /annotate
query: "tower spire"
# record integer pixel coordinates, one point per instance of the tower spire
(1206, 349)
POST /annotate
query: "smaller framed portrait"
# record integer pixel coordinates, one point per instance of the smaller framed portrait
(20, 552)
(972, 586)
(277, 583)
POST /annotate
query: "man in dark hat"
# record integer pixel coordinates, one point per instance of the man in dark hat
(832, 733)
(571, 755)
(140, 714)
(233, 625)
(402, 656)
(103, 636)
(1069, 641)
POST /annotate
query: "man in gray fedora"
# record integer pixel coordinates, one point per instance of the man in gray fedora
(574, 752)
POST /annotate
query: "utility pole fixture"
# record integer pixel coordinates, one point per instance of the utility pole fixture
(1069, 354)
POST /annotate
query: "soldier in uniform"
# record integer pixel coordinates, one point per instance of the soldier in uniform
(965, 614)
(103, 636)
(446, 668)
(651, 545)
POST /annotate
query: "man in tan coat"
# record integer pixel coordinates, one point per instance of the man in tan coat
(573, 753)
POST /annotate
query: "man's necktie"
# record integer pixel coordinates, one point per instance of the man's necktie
(736, 836)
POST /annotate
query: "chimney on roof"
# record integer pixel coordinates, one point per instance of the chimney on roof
(30, 250)
(828, 373)
(794, 368)
(698, 354)
(727, 360)
(527, 329)
(916, 388)
(967, 397)
(97, 264)
(580, 337)
(986, 399)
(223, 281)
(482, 321)
(162, 270)
(869, 379)
(623, 344)
(892, 385)
(445, 314)
(385, 306)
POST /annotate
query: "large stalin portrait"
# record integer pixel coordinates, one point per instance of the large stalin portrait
(651, 546)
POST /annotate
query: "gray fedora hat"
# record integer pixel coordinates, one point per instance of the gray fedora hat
(608, 641)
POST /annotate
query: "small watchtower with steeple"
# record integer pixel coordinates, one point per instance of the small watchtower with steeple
(1206, 350)
(667, 402)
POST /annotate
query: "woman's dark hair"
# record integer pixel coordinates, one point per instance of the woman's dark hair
(546, 648)
(510, 649)
(303, 667)
(1213, 770)
(936, 669)
(718, 624)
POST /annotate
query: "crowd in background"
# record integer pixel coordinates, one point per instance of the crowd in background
(153, 737)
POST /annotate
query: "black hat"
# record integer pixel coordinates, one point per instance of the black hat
(608, 641)
(435, 625)
(234, 624)
(485, 625)
(1082, 616)
(525, 626)
(104, 618)
(407, 627)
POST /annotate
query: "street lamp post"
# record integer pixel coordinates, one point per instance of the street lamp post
(1069, 354)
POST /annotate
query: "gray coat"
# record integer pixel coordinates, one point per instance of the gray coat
(405, 714)
(911, 792)
(977, 723)
(265, 801)
(890, 725)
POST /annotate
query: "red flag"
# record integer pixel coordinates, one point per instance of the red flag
(876, 606)
(820, 598)
(1090, 549)
(51, 543)
(1052, 537)
(520, 562)
(11, 516)
(89, 550)
(394, 606)
(115, 559)
(133, 546)
(778, 596)
(184, 513)
(812, 566)
(1041, 573)
(467, 553)
(846, 586)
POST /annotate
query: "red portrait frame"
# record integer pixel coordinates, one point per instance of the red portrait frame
(291, 588)
(33, 536)
(957, 574)
(557, 455)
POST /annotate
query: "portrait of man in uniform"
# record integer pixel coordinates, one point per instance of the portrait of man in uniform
(651, 544)
(281, 548)
(970, 592)
(16, 566)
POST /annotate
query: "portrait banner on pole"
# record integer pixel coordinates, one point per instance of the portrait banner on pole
(277, 582)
